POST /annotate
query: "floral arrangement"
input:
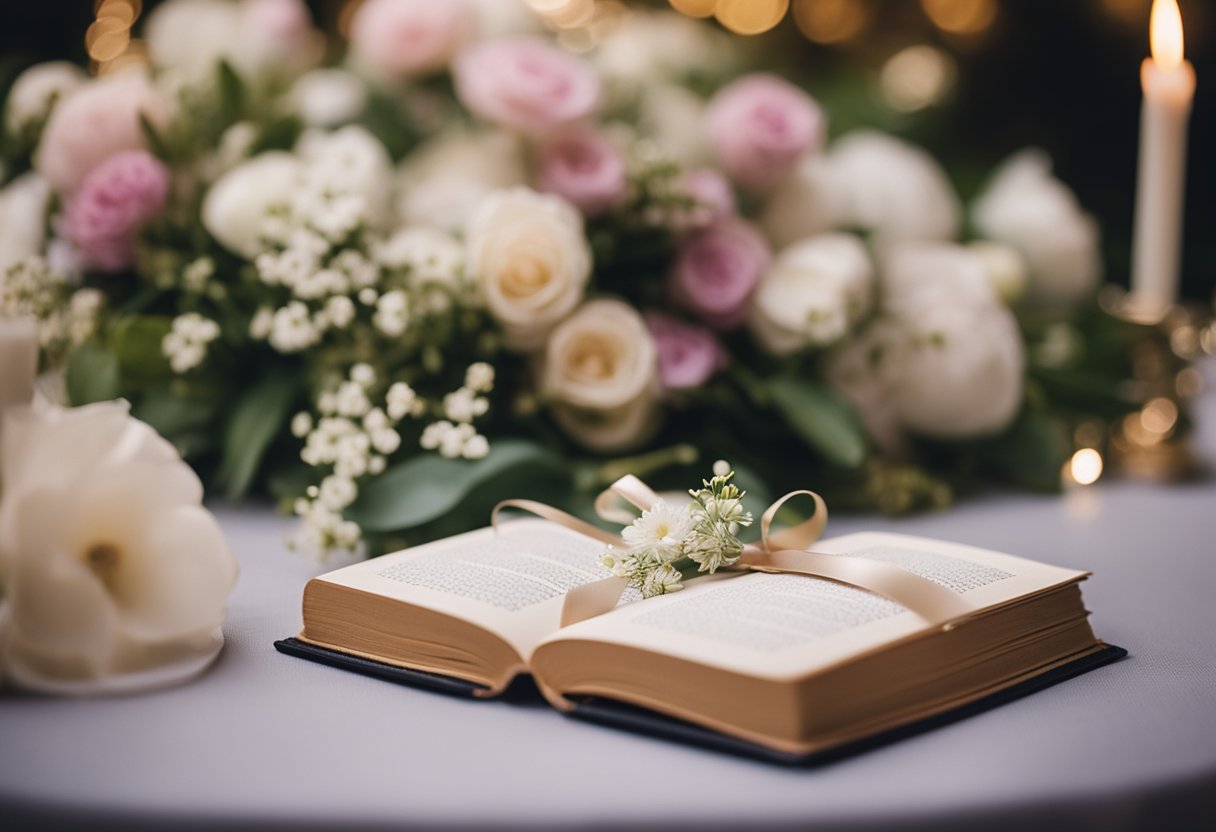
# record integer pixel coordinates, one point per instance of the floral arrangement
(385, 280)
(669, 541)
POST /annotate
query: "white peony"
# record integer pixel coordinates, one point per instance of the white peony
(956, 370)
(1005, 266)
(1029, 209)
(353, 161)
(36, 90)
(23, 209)
(813, 294)
(919, 276)
(234, 209)
(601, 374)
(446, 178)
(191, 36)
(869, 181)
(858, 370)
(528, 253)
(328, 97)
(111, 566)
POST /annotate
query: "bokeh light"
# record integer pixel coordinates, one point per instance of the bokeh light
(917, 77)
(750, 17)
(961, 17)
(695, 8)
(1085, 467)
(831, 21)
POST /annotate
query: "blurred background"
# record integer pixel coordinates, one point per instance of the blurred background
(972, 80)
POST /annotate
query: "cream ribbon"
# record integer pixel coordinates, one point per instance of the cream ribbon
(783, 551)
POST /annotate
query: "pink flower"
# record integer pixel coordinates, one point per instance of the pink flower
(712, 195)
(717, 269)
(398, 39)
(760, 125)
(583, 168)
(118, 196)
(525, 84)
(93, 123)
(688, 354)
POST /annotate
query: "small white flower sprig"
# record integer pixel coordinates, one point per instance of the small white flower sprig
(669, 542)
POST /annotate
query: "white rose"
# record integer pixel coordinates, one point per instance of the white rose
(956, 371)
(813, 294)
(328, 97)
(191, 36)
(234, 209)
(23, 207)
(918, 276)
(353, 161)
(444, 180)
(871, 181)
(111, 566)
(1029, 209)
(674, 118)
(36, 90)
(529, 255)
(601, 372)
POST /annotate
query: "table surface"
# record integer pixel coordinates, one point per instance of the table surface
(273, 741)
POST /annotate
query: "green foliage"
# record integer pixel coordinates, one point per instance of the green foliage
(260, 415)
(426, 487)
(136, 345)
(820, 417)
(1031, 453)
(92, 375)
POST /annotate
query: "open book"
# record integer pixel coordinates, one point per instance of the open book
(793, 664)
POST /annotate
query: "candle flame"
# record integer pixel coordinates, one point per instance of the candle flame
(1165, 34)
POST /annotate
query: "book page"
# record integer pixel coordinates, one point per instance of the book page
(783, 626)
(512, 582)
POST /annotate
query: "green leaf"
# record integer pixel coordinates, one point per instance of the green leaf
(232, 93)
(1032, 452)
(156, 142)
(426, 487)
(257, 419)
(821, 417)
(92, 375)
(136, 342)
(173, 415)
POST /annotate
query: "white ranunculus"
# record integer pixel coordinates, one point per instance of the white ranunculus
(23, 208)
(112, 568)
(674, 118)
(919, 276)
(444, 180)
(191, 36)
(328, 97)
(35, 91)
(353, 161)
(1029, 209)
(956, 371)
(601, 373)
(813, 294)
(234, 209)
(528, 253)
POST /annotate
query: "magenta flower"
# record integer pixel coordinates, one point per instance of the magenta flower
(717, 269)
(689, 355)
(585, 169)
(525, 84)
(115, 198)
(760, 125)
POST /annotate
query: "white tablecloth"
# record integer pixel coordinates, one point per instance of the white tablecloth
(271, 741)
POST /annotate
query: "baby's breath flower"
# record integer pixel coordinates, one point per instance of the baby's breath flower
(197, 273)
(185, 345)
(392, 313)
(363, 374)
(479, 377)
(301, 424)
(400, 400)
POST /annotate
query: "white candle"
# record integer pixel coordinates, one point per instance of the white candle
(18, 361)
(1169, 87)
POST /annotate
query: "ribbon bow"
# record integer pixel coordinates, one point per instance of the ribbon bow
(783, 551)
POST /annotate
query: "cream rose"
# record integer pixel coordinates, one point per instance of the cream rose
(1029, 209)
(112, 568)
(234, 210)
(601, 374)
(813, 294)
(529, 255)
(443, 181)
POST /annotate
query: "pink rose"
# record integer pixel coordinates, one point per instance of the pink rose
(712, 196)
(93, 123)
(585, 169)
(688, 354)
(525, 84)
(717, 269)
(760, 125)
(398, 39)
(117, 196)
